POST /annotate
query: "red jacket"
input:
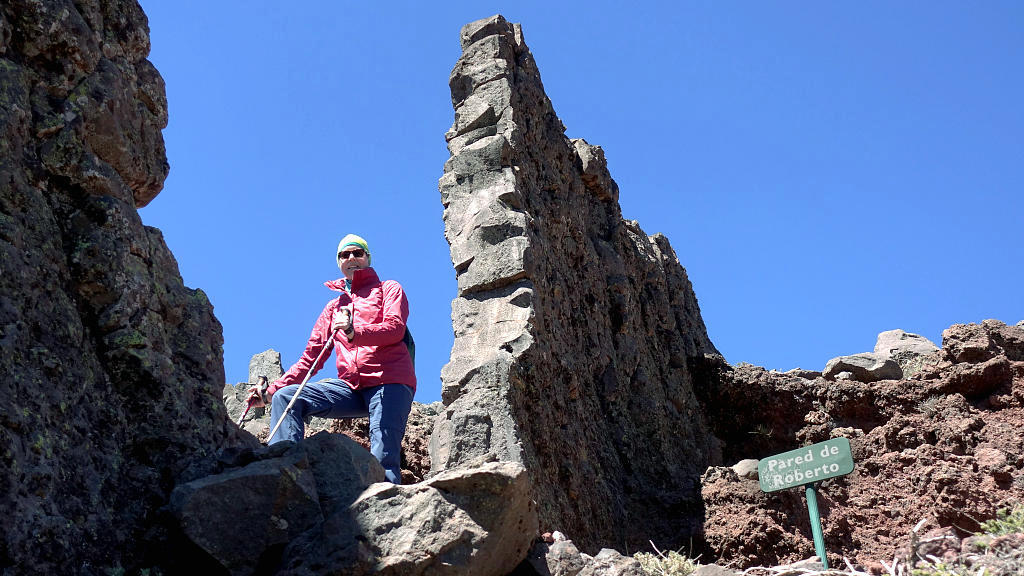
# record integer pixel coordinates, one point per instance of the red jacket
(376, 354)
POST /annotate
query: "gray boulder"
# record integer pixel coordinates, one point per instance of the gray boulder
(897, 355)
(746, 468)
(610, 562)
(235, 516)
(343, 469)
(562, 558)
(910, 351)
(235, 397)
(478, 521)
(801, 373)
(244, 517)
(866, 367)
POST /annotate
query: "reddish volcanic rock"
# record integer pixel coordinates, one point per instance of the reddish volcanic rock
(943, 449)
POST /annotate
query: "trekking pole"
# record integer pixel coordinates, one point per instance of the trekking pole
(261, 389)
(327, 346)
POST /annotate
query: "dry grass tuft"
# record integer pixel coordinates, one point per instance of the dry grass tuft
(661, 563)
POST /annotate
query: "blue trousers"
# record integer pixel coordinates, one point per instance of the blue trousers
(387, 406)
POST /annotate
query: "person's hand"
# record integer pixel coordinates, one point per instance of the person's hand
(342, 320)
(343, 323)
(258, 394)
(256, 399)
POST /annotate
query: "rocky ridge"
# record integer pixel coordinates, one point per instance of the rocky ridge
(118, 455)
(574, 330)
(113, 365)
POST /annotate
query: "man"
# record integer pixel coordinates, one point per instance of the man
(375, 369)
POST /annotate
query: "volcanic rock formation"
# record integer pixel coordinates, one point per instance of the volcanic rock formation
(322, 507)
(580, 362)
(942, 448)
(574, 330)
(112, 368)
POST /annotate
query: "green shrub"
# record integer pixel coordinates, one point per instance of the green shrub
(1006, 522)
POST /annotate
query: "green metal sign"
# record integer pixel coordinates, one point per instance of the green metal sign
(806, 465)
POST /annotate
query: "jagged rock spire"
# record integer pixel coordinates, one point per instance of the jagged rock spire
(574, 330)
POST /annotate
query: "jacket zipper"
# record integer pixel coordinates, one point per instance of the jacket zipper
(352, 319)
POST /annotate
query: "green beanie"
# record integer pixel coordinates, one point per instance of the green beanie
(353, 240)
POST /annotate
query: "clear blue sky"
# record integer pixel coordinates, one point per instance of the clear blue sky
(824, 170)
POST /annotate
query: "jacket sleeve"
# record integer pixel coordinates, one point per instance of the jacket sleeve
(315, 345)
(391, 328)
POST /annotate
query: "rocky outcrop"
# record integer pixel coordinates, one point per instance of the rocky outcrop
(575, 331)
(266, 364)
(910, 351)
(321, 507)
(942, 448)
(477, 520)
(866, 367)
(581, 363)
(981, 343)
(560, 557)
(897, 354)
(244, 516)
(112, 368)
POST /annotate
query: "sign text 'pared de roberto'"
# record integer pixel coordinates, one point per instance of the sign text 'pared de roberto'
(805, 465)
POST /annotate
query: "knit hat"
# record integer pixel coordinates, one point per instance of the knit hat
(353, 240)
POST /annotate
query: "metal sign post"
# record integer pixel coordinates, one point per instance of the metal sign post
(819, 538)
(807, 467)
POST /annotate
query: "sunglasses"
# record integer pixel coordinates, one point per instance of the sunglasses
(357, 253)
